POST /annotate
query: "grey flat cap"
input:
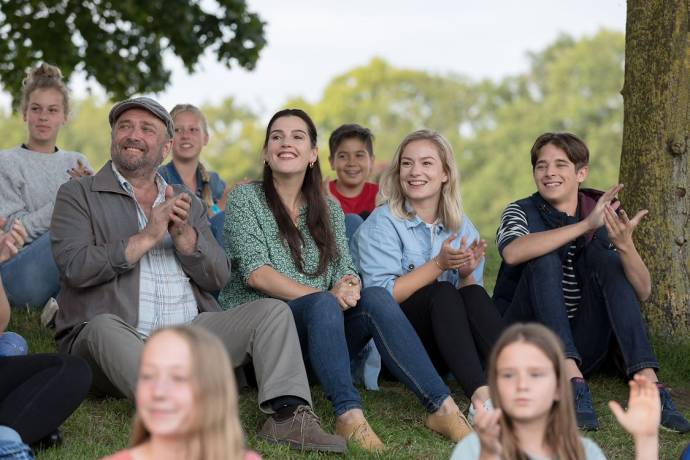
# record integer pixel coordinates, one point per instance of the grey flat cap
(145, 103)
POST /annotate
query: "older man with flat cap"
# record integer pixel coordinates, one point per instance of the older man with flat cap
(136, 254)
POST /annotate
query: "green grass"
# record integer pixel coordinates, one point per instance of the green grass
(100, 427)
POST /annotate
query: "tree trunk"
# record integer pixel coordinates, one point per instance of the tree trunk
(654, 160)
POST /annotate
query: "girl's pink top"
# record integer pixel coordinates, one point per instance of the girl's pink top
(127, 455)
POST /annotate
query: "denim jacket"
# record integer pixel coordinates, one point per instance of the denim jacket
(386, 247)
(171, 176)
(12, 447)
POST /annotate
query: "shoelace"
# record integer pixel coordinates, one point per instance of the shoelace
(308, 418)
(308, 414)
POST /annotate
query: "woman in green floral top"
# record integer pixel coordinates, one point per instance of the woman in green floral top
(287, 241)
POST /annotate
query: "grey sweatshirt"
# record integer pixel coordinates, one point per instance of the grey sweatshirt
(29, 182)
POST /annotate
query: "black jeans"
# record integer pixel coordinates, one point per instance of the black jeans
(39, 392)
(609, 310)
(458, 327)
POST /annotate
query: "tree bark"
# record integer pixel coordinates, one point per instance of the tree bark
(654, 160)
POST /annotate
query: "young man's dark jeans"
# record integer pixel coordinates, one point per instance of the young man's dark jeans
(609, 308)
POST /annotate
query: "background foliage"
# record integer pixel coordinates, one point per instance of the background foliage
(571, 85)
(120, 44)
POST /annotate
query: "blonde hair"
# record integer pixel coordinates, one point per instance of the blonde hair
(180, 108)
(206, 194)
(44, 76)
(450, 207)
(561, 433)
(216, 433)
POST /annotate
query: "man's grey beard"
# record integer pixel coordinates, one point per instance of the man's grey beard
(142, 164)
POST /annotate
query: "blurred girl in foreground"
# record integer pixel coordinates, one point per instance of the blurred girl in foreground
(535, 416)
(186, 400)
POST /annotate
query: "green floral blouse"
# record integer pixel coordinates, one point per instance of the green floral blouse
(252, 240)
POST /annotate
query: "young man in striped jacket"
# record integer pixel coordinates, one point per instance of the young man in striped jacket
(569, 262)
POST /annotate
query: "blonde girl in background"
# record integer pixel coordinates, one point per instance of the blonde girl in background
(30, 175)
(186, 168)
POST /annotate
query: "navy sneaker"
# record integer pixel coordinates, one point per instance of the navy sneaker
(54, 439)
(671, 418)
(584, 407)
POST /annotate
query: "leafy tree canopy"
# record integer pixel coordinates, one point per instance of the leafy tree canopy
(121, 43)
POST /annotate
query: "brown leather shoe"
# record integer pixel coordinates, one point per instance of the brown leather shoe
(453, 426)
(303, 431)
(361, 433)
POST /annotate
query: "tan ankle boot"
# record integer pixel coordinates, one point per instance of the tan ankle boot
(360, 433)
(453, 426)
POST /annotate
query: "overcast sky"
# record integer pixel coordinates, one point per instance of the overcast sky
(310, 42)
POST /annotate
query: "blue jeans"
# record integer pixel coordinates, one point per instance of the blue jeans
(609, 312)
(686, 453)
(12, 344)
(31, 277)
(329, 337)
(12, 447)
(352, 223)
(365, 365)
